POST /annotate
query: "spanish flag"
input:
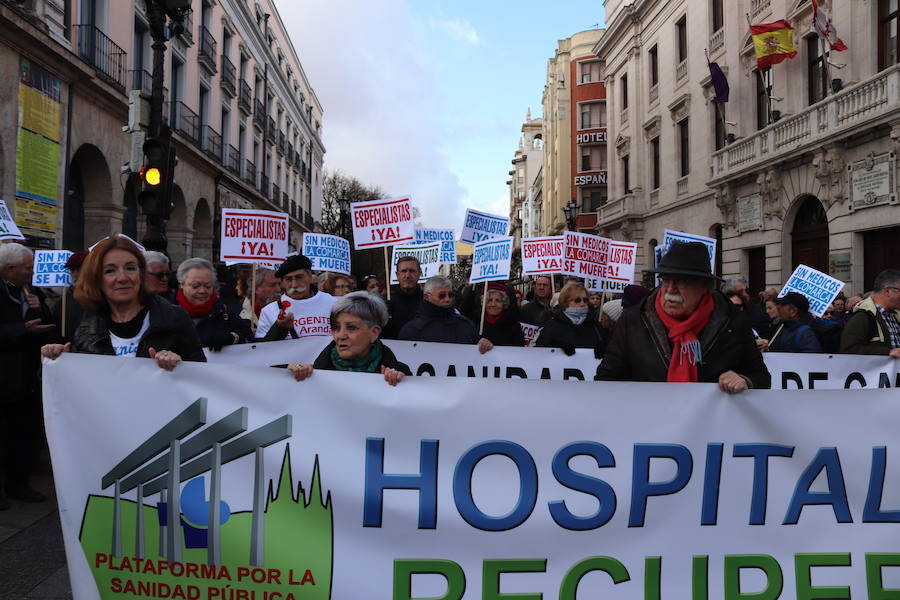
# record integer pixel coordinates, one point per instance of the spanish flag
(773, 43)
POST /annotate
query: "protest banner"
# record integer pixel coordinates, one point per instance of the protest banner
(191, 490)
(670, 236)
(253, 236)
(479, 226)
(586, 255)
(50, 268)
(8, 228)
(447, 239)
(382, 223)
(327, 252)
(491, 260)
(530, 332)
(820, 289)
(543, 254)
(428, 255)
(619, 270)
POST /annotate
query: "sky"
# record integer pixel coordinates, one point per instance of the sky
(427, 97)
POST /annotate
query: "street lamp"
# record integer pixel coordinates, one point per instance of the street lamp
(344, 207)
(571, 212)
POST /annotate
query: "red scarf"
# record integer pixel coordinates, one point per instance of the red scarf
(196, 310)
(491, 320)
(686, 353)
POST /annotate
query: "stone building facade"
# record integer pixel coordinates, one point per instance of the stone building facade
(527, 162)
(246, 122)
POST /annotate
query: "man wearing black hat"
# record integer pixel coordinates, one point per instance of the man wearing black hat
(685, 331)
(302, 311)
(795, 333)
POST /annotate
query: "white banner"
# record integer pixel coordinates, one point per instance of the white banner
(671, 236)
(479, 226)
(343, 487)
(820, 289)
(379, 223)
(543, 254)
(428, 255)
(8, 228)
(446, 237)
(491, 260)
(50, 268)
(327, 252)
(250, 235)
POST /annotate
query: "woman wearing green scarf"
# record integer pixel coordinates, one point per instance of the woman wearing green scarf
(356, 322)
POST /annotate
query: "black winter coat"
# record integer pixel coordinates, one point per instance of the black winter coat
(402, 309)
(170, 329)
(20, 352)
(535, 313)
(560, 332)
(222, 321)
(506, 331)
(640, 349)
(436, 324)
(388, 359)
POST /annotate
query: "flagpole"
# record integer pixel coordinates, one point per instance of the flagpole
(762, 80)
(825, 72)
(720, 110)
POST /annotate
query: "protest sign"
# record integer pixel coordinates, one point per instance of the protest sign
(381, 223)
(327, 252)
(50, 268)
(619, 271)
(586, 255)
(819, 288)
(530, 332)
(479, 226)
(543, 254)
(491, 260)
(428, 255)
(190, 488)
(671, 236)
(447, 239)
(8, 228)
(254, 236)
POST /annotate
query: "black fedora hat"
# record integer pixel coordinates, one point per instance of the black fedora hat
(688, 259)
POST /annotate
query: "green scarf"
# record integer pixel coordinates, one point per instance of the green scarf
(370, 363)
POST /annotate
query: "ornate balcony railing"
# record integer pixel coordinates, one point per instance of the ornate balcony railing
(96, 49)
(259, 114)
(717, 40)
(245, 98)
(227, 80)
(207, 49)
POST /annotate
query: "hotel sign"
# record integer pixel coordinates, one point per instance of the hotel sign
(872, 181)
(598, 178)
(595, 137)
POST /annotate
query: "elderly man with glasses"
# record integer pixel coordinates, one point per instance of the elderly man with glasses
(685, 331)
(303, 311)
(874, 325)
(157, 277)
(437, 320)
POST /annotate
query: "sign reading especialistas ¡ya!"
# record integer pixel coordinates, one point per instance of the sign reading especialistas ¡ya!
(447, 239)
(479, 226)
(820, 289)
(327, 252)
(8, 228)
(388, 510)
(619, 270)
(50, 268)
(250, 235)
(428, 255)
(491, 260)
(379, 223)
(543, 254)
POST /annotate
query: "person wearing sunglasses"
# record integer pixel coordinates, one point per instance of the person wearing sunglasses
(437, 320)
(157, 277)
(573, 323)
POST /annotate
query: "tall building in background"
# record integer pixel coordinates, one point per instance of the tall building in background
(574, 105)
(246, 122)
(799, 166)
(526, 163)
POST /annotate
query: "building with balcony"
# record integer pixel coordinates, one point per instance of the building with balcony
(236, 98)
(575, 158)
(526, 163)
(797, 168)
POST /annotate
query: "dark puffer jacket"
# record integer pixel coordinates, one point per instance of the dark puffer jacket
(436, 324)
(640, 349)
(402, 309)
(20, 351)
(223, 322)
(170, 329)
(388, 359)
(560, 332)
(506, 331)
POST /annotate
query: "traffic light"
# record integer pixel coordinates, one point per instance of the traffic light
(155, 175)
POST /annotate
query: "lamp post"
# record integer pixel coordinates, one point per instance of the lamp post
(344, 207)
(571, 212)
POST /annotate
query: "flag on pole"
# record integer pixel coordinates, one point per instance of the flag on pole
(825, 28)
(720, 83)
(773, 43)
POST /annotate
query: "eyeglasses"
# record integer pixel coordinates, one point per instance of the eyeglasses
(579, 300)
(161, 275)
(442, 295)
(827, 313)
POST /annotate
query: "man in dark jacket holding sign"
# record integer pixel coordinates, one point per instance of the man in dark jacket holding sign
(685, 331)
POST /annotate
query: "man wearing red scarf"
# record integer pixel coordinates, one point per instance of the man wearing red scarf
(685, 331)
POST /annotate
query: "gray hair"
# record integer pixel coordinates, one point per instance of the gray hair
(435, 282)
(887, 278)
(261, 275)
(729, 284)
(13, 254)
(194, 263)
(370, 308)
(504, 297)
(152, 257)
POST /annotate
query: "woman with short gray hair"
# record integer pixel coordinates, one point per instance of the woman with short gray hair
(357, 320)
(217, 324)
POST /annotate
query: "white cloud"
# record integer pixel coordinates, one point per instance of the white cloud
(459, 30)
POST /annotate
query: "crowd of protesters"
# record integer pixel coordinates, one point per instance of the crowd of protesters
(126, 302)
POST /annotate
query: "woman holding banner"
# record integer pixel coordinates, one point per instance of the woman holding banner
(572, 325)
(217, 325)
(501, 317)
(120, 318)
(357, 320)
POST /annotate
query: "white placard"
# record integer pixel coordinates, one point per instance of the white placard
(543, 254)
(679, 236)
(446, 237)
(379, 223)
(530, 332)
(50, 268)
(820, 289)
(428, 255)
(479, 226)
(8, 228)
(491, 260)
(327, 252)
(254, 236)
(586, 255)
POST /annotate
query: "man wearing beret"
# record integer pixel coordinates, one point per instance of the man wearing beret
(685, 331)
(302, 311)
